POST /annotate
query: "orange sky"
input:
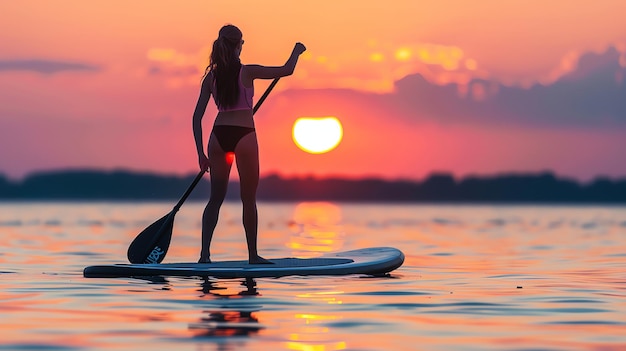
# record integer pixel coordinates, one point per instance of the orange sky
(112, 84)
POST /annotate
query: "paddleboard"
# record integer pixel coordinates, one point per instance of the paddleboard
(369, 261)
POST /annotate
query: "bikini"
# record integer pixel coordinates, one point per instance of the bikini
(229, 135)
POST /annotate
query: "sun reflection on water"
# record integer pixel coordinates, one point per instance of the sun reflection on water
(314, 338)
(316, 228)
(327, 296)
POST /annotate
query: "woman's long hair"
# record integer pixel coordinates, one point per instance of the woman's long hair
(225, 66)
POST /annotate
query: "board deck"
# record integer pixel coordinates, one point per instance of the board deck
(371, 261)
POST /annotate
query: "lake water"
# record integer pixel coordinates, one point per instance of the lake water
(475, 278)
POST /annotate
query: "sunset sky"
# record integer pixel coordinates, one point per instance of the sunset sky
(466, 87)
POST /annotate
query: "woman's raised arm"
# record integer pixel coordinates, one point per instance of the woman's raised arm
(266, 72)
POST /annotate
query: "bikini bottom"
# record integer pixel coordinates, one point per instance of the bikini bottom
(228, 136)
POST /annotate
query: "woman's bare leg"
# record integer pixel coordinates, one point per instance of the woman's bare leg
(247, 157)
(220, 171)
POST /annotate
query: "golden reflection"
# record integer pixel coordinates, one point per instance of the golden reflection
(316, 228)
(317, 347)
(308, 317)
(326, 296)
(314, 339)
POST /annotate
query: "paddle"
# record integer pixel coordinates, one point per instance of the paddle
(151, 245)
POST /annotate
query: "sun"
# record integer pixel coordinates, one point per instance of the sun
(317, 135)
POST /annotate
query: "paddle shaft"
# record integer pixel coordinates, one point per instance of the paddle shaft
(199, 176)
(264, 96)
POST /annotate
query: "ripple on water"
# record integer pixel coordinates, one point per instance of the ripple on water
(567, 301)
(390, 293)
(584, 322)
(82, 253)
(355, 323)
(90, 223)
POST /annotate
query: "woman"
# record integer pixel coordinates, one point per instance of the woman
(233, 134)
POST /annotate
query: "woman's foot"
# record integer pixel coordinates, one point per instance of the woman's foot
(204, 260)
(259, 260)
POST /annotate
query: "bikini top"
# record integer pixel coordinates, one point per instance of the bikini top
(244, 102)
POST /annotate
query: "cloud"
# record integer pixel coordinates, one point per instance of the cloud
(588, 96)
(169, 61)
(182, 71)
(46, 66)
(592, 94)
(377, 67)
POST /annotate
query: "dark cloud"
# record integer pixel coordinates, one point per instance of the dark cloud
(46, 66)
(594, 94)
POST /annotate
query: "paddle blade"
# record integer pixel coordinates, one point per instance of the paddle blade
(151, 245)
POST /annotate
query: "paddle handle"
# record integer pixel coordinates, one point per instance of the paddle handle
(199, 176)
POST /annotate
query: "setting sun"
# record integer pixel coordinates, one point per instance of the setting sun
(317, 135)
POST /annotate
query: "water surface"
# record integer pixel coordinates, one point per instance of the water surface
(475, 278)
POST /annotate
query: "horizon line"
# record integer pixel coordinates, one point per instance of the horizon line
(270, 174)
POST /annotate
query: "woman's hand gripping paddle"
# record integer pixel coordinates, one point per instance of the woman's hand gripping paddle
(151, 245)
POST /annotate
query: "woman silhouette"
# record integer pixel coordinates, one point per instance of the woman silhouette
(233, 134)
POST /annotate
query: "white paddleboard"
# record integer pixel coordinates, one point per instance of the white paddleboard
(370, 261)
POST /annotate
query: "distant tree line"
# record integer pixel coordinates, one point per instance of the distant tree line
(124, 185)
